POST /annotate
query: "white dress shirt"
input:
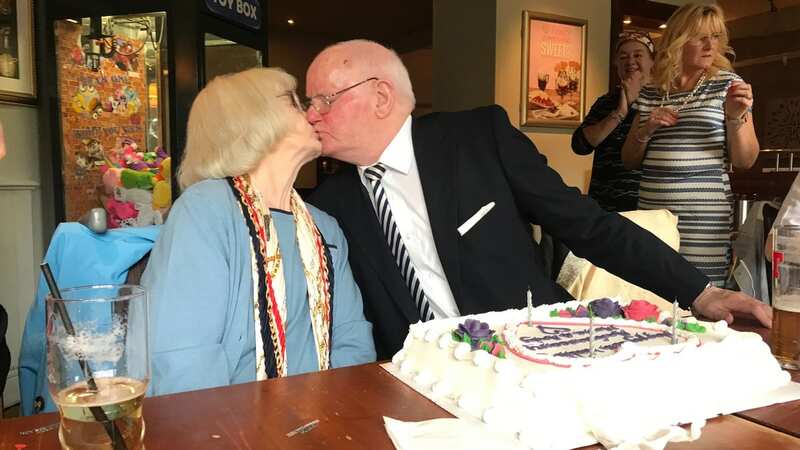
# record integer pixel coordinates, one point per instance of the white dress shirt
(404, 192)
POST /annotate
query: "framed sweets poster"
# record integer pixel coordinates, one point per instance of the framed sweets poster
(553, 70)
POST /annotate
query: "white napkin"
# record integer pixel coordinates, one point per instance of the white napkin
(655, 441)
(438, 434)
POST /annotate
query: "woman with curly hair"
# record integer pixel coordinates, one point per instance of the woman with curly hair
(692, 121)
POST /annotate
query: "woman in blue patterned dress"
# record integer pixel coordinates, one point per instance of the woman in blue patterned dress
(691, 123)
(604, 129)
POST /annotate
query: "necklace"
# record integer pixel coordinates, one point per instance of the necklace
(689, 97)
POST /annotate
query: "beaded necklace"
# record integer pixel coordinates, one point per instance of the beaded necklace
(689, 97)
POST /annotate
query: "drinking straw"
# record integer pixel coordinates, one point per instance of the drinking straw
(99, 415)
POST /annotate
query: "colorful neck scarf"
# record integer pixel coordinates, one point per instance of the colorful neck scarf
(269, 286)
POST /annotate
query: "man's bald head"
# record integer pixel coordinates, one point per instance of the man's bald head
(366, 96)
(352, 61)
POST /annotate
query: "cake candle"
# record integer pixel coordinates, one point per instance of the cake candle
(530, 307)
(591, 334)
(675, 322)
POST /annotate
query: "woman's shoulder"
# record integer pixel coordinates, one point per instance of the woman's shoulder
(324, 221)
(649, 97)
(721, 80)
(208, 189)
(650, 91)
(205, 198)
(723, 74)
(606, 102)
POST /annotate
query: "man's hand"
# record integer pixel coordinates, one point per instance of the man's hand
(722, 304)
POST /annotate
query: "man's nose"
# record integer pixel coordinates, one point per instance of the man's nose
(312, 115)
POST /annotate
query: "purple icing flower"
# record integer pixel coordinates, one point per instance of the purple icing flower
(605, 308)
(476, 330)
(581, 311)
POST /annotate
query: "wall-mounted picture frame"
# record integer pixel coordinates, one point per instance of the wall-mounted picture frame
(17, 66)
(553, 80)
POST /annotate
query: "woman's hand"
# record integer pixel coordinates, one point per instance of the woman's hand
(741, 137)
(738, 100)
(660, 117)
(631, 87)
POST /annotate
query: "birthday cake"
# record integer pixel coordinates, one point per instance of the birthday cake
(557, 378)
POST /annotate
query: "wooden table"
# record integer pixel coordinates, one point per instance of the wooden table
(349, 404)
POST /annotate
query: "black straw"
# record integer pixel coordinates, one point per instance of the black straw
(99, 415)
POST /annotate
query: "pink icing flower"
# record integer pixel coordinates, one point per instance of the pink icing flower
(564, 313)
(641, 310)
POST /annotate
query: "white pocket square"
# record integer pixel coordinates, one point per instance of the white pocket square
(466, 226)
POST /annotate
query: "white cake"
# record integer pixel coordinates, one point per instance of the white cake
(548, 391)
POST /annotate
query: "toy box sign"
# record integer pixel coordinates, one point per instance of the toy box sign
(243, 12)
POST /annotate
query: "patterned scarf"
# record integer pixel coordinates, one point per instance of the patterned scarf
(269, 285)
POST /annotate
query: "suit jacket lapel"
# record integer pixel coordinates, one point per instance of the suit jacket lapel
(368, 238)
(436, 163)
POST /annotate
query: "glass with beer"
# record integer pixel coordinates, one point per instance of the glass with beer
(785, 334)
(98, 365)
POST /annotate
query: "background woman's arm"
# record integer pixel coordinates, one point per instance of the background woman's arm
(740, 133)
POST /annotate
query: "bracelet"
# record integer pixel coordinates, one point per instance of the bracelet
(618, 116)
(737, 120)
(638, 138)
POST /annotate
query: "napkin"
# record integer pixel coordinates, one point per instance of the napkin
(439, 434)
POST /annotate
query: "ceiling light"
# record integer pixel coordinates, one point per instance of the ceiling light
(290, 21)
(72, 20)
(663, 26)
(627, 20)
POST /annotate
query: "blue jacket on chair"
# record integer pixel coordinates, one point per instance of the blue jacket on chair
(77, 257)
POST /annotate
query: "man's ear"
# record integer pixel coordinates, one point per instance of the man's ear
(384, 100)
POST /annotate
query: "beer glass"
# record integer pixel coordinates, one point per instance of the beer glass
(98, 365)
(785, 334)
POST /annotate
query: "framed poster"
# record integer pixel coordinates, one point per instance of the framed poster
(553, 70)
(17, 81)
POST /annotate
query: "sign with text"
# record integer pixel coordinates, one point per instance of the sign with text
(242, 12)
(554, 71)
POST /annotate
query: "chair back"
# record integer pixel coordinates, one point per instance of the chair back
(77, 257)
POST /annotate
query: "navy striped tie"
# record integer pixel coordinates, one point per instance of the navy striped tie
(374, 175)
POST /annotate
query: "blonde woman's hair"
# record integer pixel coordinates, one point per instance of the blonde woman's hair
(234, 121)
(689, 21)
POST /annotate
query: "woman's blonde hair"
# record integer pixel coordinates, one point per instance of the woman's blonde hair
(234, 121)
(687, 22)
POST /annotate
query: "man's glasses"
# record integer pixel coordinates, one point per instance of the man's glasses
(322, 103)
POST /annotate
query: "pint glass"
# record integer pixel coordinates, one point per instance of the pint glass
(785, 334)
(98, 365)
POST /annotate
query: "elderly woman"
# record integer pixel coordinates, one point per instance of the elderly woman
(604, 129)
(246, 281)
(691, 123)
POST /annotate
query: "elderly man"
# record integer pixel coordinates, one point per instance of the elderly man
(437, 209)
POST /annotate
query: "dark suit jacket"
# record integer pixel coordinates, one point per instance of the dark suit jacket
(466, 160)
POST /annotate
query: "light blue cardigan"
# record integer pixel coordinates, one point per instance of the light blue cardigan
(200, 281)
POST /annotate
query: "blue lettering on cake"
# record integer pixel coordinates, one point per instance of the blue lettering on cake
(561, 337)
